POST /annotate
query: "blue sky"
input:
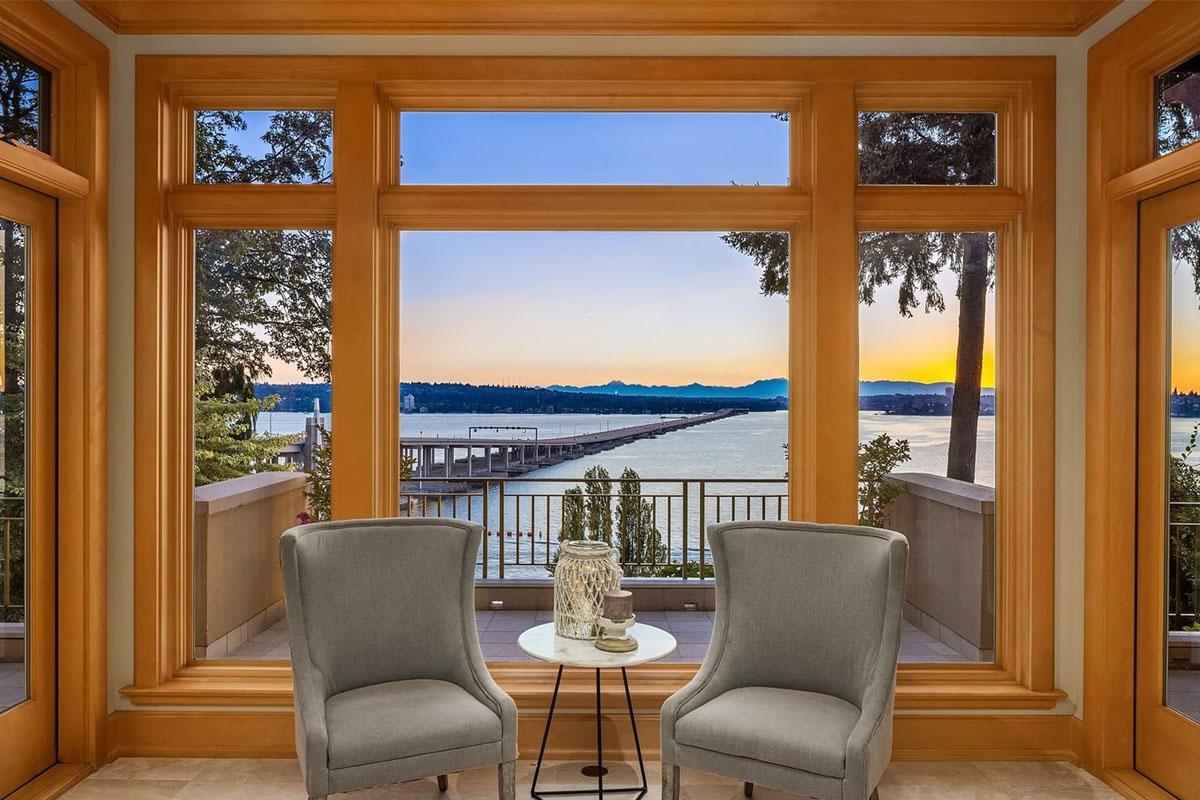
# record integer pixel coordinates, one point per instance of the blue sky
(676, 148)
(580, 307)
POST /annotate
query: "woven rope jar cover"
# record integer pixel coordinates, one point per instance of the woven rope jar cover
(584, 572)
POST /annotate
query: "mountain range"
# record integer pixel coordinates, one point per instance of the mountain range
(766, 388)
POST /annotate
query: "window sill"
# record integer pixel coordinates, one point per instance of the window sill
(270, 684)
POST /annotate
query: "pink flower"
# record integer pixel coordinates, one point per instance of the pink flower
(304, 517)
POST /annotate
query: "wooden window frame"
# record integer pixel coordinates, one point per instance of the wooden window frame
(75, 173)
(1122, 171)
(823, 208)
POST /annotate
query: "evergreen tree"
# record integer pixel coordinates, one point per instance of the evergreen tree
(260, 295)
(933, 149)
(639, 542)
(598, 519)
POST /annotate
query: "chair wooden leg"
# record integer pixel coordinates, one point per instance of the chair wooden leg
(670, 782)
(443, 784)
(507, 780)
(748, 789)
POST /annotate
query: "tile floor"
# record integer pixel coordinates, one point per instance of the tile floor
(498, 632)
(12, 683)
(267, 779)
(1183, 692)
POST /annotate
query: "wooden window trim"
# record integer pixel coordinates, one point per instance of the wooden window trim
(822, 207)
(635, 17)
(1122, 171)
(75, 173)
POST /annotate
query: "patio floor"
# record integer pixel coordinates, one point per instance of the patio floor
(498, 632)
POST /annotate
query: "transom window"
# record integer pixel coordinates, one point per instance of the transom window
(24, 101)
(1177, 106)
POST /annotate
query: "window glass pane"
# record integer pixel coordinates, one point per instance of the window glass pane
(261, 425)
(1177, 106)
(14, 251)
(264, 146)
(927, 429)
(936, 149)
(1182, 548)
(544, 433)
(24, 101)
(593, 147)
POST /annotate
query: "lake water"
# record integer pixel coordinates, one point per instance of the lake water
(745, 446)
(748, 446)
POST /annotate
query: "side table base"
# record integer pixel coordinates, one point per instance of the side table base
(597, 770)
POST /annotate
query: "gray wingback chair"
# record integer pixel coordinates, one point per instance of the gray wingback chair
(797, 687)
(390, 683)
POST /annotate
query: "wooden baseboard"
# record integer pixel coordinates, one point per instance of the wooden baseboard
(1134, 785)
(52, 783)
(269, 734)
(201, 734)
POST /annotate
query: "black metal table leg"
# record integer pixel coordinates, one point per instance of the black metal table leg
(597, 770)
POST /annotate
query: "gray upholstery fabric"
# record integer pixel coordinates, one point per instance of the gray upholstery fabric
(385, 653)
(790, 727)
(802, 610)
(396, 720)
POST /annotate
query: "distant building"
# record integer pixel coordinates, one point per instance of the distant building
(410, 402)
(950, 393)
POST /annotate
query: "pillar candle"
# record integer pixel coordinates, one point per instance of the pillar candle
(618, 605)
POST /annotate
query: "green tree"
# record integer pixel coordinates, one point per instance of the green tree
(1185, 532)
(598, 513)
(260, 295)
(320, 478)
(923, 148)
(223, 446)
(876, 460)
(21, 118)
(639, 542)
(1177, 123)
(572, 515)
(13, 418)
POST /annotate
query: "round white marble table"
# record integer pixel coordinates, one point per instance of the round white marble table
(542, 643)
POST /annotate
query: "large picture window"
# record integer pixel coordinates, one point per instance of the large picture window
(691, 268)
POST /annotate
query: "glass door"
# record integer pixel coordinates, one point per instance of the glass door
(27, 474)
(1167, 735)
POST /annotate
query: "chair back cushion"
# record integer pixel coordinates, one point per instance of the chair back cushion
(805, 606)
(382, 600)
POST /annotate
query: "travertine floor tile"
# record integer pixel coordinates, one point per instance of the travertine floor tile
(94, 788)
(279, 779)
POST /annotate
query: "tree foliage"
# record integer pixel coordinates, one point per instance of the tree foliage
(21, 117)
(260, 295)
(917, 148)
(597, 485)
(876, 460)
(639, 542)
(588, 513)
(224, 445)
(1185, 533)
(299, 148)
(1176, 124)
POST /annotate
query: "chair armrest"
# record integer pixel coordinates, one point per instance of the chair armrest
(709, 682)
(869, 747)
(312, 736)
(503, 705)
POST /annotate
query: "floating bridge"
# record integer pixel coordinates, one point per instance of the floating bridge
(450, 458)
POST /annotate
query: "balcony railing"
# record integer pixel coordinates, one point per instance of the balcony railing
(1183, 566)
(658, 524)
(12, 561)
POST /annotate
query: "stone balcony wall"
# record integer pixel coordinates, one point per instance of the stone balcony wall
(951, 530)
(238, 586)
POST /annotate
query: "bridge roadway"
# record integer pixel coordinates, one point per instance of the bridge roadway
(497, 457)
